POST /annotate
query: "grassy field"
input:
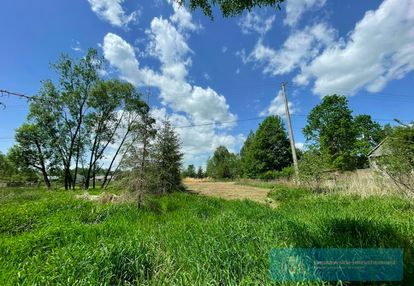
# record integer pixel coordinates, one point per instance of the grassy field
(182, 239)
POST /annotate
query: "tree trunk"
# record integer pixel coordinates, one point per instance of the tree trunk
(46, 179)
(113, 159)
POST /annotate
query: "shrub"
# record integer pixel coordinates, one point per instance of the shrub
(314, 169)
(285, 173)
(397, 161)
(283, 193)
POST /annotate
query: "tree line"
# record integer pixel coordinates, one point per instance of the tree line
(336, 141)
(82, 125)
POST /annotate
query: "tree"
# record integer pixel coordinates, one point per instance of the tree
(136, 140)
(20, 170)
(330, 128)
(247, 156)
(81, 115)
(368, 135)
(314, 168)
(397, 160)
(200, 173)
(223, 164)
(167, 159)
(109, 101)
(270, 148)
(34, 149)
(61, 109)
(229, 8)
(190, 172)
(137, 158)
(6, 168)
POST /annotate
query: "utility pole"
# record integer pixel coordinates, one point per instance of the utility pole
(292, 140)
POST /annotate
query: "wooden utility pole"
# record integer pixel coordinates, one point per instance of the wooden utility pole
(292, 140)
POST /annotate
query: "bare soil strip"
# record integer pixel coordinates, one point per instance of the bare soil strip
(228, 191)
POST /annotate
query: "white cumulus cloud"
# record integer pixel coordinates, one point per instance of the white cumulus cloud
(113, 12)
(296, 8)
(300, 47)
(378, 50)
(254, 22)
(190, 104)
(277, 107)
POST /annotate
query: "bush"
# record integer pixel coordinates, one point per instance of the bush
(397, 160)
(283, 194)
(285, 173)
(314, 169)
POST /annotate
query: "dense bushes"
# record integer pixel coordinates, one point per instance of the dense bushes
(397, 160)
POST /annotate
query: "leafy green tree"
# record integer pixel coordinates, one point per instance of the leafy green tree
(61, 108)
(270, 149)
(21, 171)
(135, 143)
(35, 150)
(330, 128)
(397, 160)
(81, 115)
(368, 135)
(6, 168)
(104, 122)
(228, 8)
(223, 164)
(247, 155)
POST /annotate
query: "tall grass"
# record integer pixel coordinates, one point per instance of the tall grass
(49, 238)
(364, 183)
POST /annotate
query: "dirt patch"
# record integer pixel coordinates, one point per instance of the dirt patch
(229, 191)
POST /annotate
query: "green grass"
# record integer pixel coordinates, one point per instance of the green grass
(49, 238)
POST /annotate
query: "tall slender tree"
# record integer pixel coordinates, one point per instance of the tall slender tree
(167, 159)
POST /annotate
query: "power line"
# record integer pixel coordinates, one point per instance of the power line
(247, 119)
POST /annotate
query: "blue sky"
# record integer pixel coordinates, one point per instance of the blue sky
(201, 71)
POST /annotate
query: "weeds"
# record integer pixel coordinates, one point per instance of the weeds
(183, 239)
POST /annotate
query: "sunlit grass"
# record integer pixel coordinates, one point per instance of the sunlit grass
(182, 239)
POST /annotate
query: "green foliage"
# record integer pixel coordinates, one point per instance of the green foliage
(286, 194)
(73, 120)
(229, 8)
(330, 128)
(190, 172)
(397, 160)
(6, 168)
(33, 146)
(52, 238)
(14, 169)
(223, 164)
(267, 150)
(285, 173)
(200, 173)
(314, 168)
(342, 139)
(167, 159)
(368, 135)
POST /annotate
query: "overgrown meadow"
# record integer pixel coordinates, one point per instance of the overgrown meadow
(183, 239)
